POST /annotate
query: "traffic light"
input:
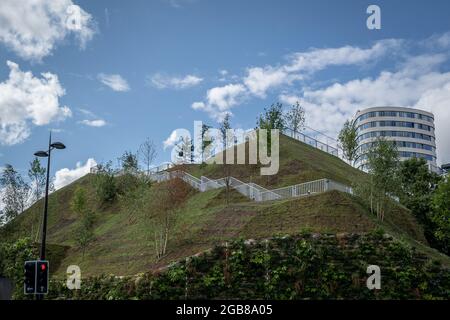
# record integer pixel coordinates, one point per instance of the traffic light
(29, 286)
(42, 277)
(36, 277)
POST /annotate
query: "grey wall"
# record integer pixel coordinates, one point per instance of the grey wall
(6, 289)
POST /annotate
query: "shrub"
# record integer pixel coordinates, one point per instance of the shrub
(105, 184)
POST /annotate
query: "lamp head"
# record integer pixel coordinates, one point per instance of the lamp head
(58, 145)
(41, 154)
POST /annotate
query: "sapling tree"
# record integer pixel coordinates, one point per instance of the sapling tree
(441, 215)
(348, 141)
(129, 162)
(382, 164)
(295, 117)
(228, 142)
(166, 199)
(14, 193)
(84, 231)
(147, 154)
(272, 118)
(37, 176)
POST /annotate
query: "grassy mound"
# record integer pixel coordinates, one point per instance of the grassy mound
(124, 239)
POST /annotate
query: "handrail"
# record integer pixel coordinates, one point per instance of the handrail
(253, 190)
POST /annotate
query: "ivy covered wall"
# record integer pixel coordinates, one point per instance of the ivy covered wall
(308, 266)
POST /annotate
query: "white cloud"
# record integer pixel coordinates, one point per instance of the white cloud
(86, 112)
(25, 98)
(92, 119)
(66, 176)
(438, 101)
(179, 3)
(163, 82)
(33, 28)
(114, 81)
(225, 97)
(259, 80)
(94, 123)
(220, 100)
(416, 84)
(171, 140)
(319, 59)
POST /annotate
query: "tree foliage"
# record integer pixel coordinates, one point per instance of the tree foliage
(79, 205)
(129, 161)
(37, 175)
(105, 183)
(306, 267)
(185, 150)
(441, 215)
(15, 193)
(382, 163)
(12, 258)
(206, 141)
(347, 139)
(165, 199)
(228, 142)
(295, 117)
(272, 118)
(416, 187)
(417, 190)
(147, 153)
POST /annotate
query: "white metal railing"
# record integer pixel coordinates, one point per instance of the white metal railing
(326, 147)
(208, 184)
(333, 185)
(307, 188)
(251, 190)
(162, 167)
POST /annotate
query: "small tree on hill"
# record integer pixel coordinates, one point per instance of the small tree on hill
(382, 163)
(272, 118)
(295, 117)
(84, 232)
(147, 153)
(129, 162)
(36, 173)
(166, 199)
(205, 142)
(15, 193)
(348, 141)
(105, 183)
(185, 150)
(441, 215)
(415, 191)
(228, 142)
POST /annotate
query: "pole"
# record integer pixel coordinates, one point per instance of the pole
(44, 220)
(44, 224)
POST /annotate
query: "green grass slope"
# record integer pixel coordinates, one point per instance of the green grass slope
(299, 162)
(124, 240)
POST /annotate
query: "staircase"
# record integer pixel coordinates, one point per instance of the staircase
(253, 191)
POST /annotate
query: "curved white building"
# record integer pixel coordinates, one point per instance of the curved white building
(411, 129)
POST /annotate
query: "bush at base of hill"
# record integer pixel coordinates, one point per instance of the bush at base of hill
(308, 266)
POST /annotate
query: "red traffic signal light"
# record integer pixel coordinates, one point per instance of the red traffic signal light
(36, 277)
(42, 277)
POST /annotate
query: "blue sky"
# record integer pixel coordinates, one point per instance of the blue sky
(137, 69)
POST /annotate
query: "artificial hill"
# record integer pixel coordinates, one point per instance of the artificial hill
(124, 239)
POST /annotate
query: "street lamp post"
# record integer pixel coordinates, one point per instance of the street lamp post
(47, 154)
